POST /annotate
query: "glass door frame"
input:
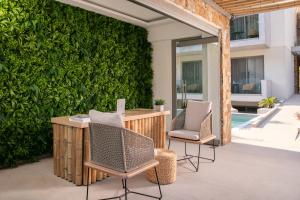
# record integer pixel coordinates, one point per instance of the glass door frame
(184, 42)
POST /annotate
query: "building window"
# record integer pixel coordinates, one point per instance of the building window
(247, 74)
(244, 27)
(192, 76)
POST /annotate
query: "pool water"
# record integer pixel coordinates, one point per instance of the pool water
(241, 119)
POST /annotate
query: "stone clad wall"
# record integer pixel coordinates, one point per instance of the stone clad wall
(202, 9)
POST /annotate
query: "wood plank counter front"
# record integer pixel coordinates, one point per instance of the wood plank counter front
(71, 142)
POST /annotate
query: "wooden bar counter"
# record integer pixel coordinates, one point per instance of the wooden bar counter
(71, 142)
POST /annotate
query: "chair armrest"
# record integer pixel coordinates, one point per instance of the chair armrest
(138, 149)
(206, 126)
(178, 121)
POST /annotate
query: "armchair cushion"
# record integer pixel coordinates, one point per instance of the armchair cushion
(185, 134)
(110, 119)
(196, 112)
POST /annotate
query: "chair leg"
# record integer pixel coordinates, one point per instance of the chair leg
(169, 143)
(214, 148)
(198, 161)
(127, 191)
(125, 183)
(87, 184)
(189, 157)
(146, 195)
(160, 194)
(298, 134)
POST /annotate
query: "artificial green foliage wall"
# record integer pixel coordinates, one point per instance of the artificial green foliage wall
(60, 60)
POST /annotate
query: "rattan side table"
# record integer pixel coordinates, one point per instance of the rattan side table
(166, 169)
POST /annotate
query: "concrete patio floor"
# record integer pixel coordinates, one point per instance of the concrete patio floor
(241, 172)
(278, 131)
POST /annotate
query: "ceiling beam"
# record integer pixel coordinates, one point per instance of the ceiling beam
(246, 7)
(267, 5)
(237, 2)
(263, 9)
(217, 8)
(245, 3)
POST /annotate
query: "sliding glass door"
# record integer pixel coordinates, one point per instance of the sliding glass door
(189, 74)
(192, 76)
(247, 74)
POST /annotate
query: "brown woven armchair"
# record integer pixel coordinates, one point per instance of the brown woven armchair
(120, 152)
(194, 125)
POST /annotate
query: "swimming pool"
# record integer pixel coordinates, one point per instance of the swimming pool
(241, 119)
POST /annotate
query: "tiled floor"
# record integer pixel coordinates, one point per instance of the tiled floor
(241, 172)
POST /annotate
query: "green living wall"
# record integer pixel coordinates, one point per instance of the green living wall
(60, 60)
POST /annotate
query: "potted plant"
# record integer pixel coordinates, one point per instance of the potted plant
(266, 104)
(159, 104)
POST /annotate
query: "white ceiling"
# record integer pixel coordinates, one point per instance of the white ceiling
(130, 9)
(146, 13)
(123, 10)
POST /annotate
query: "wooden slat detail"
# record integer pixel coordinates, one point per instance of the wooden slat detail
(263, 10)
(258, 8)
(164, 130)
(73, 168)
(226, 4)
(99, 175)
(58, 150)
(131, 125)
(65, 128)
(161, 131)
(61, 151)
(157, 133)
(58, 160)
(151, 130)
(246, 3)
(79, 154)
(127, 123)
(55, 149)
(69, 153)
(94, 174)
(140, 126)
(71, 146)
(244, 7)
(153, 127)
(86, 156)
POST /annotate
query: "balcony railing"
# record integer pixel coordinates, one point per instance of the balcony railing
(246, 88)
(250, 96)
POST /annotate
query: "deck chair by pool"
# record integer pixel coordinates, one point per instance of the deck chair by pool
(194, 125)
(119, 151)
(248, 87)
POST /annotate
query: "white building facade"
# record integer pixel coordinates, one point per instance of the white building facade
(262, 63)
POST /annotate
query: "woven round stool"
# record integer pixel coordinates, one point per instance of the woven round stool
(166, 170)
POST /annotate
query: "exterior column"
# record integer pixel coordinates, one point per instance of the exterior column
(225, 87)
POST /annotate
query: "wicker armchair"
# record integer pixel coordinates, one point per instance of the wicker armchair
(193, 125)
(120, 152)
